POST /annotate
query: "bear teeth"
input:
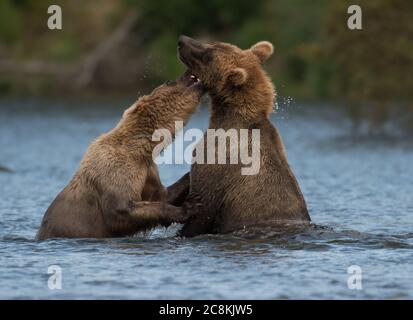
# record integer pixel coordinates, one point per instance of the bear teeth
(194, 78)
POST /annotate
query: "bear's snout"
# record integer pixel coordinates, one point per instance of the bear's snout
(182, 40)
(187, 41)
(190, 51)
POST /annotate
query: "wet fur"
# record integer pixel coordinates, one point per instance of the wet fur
(117, 190)
(242, 97)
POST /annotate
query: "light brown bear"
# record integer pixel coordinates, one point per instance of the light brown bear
(242, 97)
(117, 190)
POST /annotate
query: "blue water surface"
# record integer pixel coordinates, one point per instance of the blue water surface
(359, 190)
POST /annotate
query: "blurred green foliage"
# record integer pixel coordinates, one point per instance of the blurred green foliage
(163, 21)
(10, 22)
(373, 66)
(316, 55)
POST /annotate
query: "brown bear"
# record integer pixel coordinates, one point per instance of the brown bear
(242, 96)
(117, 190)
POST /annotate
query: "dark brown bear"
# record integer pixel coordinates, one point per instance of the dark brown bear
(117, 190)
(242, 97)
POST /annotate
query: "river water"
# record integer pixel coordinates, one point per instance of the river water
(358, 190)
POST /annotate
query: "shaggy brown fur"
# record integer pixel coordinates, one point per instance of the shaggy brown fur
(117, 190)
(242, 97)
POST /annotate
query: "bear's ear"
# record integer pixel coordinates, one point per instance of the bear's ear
(237, 76)
(263, 50)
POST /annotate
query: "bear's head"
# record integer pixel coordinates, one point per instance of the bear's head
(172, 101)
(232, 76)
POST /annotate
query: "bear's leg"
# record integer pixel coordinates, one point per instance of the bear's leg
(178, 191)
(124, 216)
(157, 213)
(161, 213)
(200, 219)
(142, 216)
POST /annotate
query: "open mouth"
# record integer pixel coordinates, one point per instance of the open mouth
(189, 79)
(194, 79)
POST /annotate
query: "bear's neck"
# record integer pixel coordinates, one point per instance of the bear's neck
(141, 139)
(136, 131)
(240, 108)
